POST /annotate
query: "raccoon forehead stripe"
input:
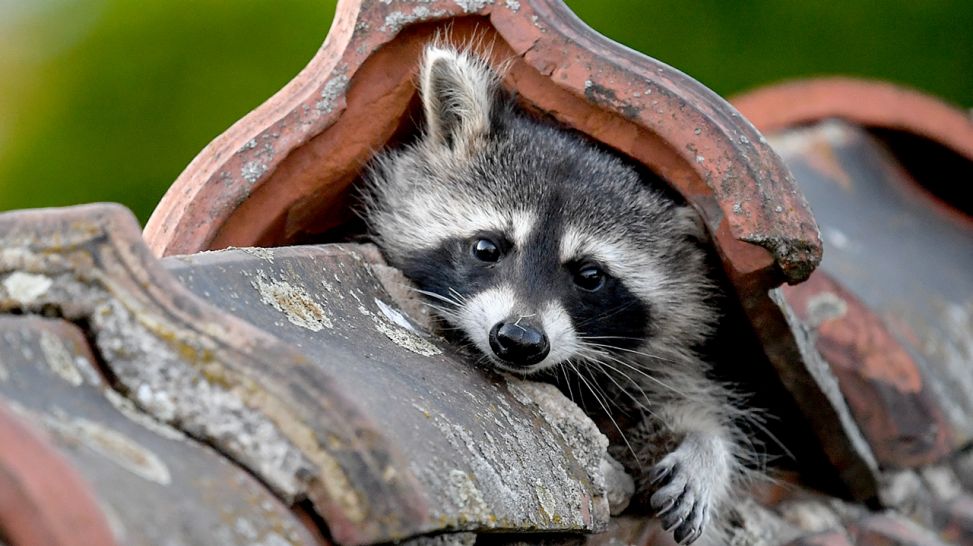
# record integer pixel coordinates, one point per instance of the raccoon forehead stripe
(576, 243)
(437, 218)
(516, 226)
(521, 223)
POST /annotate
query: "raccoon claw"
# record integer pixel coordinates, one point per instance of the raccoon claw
(660, 472)
(680, 501)
(687, 535)
(692, 526)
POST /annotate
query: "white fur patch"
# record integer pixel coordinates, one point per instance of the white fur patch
(521, 223)
(560, 333)
(482, 311)
(457, 218)
(479, 315)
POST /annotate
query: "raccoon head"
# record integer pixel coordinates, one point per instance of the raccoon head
(536, 245)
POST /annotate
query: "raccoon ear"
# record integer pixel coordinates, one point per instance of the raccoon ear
(691, 223)
(457, 94)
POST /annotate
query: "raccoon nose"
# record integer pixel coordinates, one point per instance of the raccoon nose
(520, 344)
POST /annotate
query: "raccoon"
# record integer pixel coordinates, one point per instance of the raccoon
(554, 258)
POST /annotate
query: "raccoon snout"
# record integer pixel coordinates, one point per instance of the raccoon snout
(518, 343)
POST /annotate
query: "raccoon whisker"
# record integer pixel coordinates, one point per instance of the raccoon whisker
(458, 297)
(621, 338)
(436, 296)
(429, 293)
(599, 366)
(582, 399)
(591, 354)
(647, 355)
(600, 350)
(440, 309)
(643, 373)
(567, 379)
(442, 324)
(607, 413)
(650, 377)
(633, 351)
(437, 305)
(442, 316)
(607, 314)
(600, 390)
(479, 361)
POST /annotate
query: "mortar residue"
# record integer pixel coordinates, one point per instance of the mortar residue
(405, 338)
(293, 302)
(59, 359)
(26, 287)
(113, 445)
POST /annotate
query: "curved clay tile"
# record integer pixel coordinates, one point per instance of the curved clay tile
(871, 104)
(282, 172)
(884, 168)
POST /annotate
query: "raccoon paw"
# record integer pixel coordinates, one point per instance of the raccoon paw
(683, 499)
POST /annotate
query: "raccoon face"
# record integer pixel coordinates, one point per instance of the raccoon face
(538, 247)
(523, 302)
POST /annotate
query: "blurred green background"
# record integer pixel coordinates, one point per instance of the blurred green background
(108, 100)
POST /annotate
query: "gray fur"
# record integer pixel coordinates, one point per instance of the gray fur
(481, 166)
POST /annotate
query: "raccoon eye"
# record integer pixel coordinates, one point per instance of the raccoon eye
(590, 278)
(485, 250)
